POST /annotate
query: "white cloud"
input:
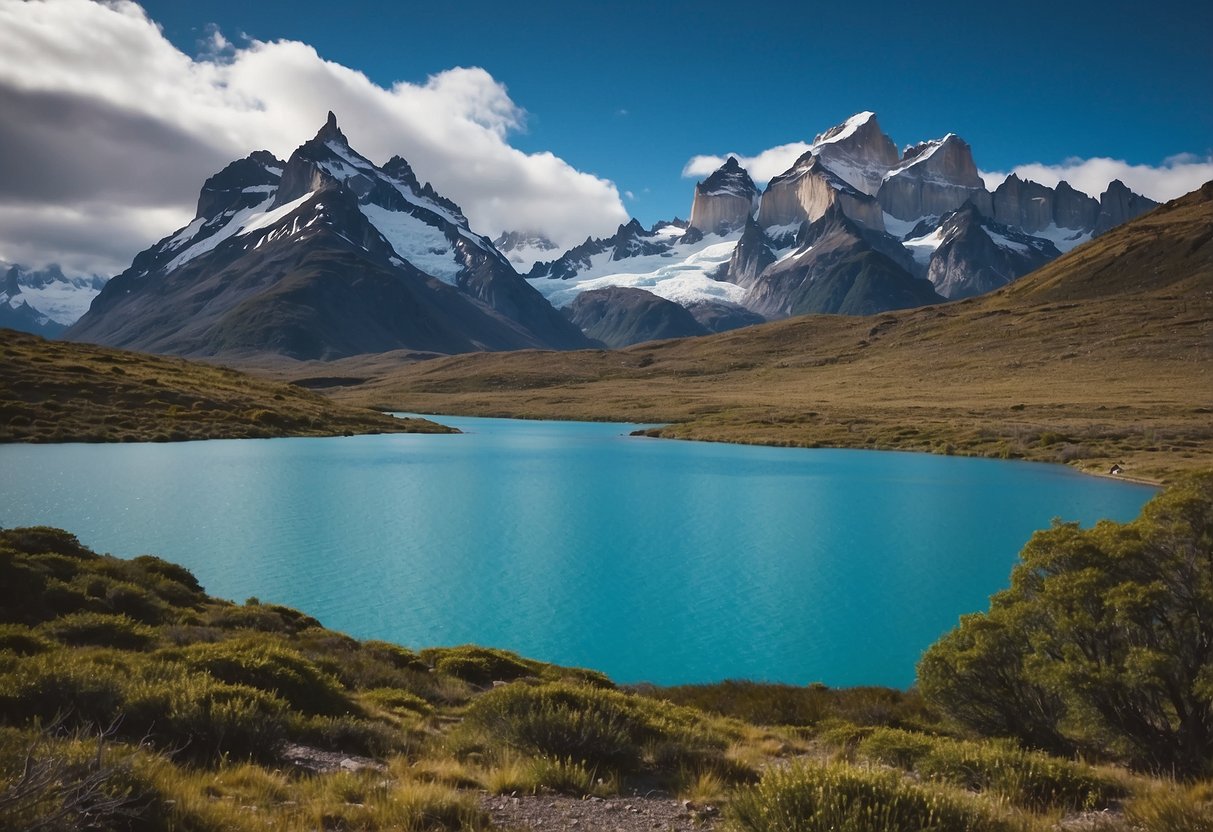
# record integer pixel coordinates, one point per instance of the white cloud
(762, 168)
(1176, 176)
(102, 110)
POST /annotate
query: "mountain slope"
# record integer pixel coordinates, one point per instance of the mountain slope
(323, 255)
(1102, 356)
(618, 317)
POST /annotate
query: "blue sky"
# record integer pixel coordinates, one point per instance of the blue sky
(568, 117)
(630, 91)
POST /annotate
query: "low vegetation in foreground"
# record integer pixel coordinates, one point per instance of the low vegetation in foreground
(132, 700)
(53, 391)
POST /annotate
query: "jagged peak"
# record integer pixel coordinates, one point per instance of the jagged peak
(841, 132)
(330, 131)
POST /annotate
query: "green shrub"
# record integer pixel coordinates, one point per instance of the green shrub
(97, 629)
(902, 749)
(1136, 597)
(395, 699)
(564, 722)
(271, 667)
(479, 665)
(842, 798)
(16, 638)
(204, 720)
(348, 734)
(1027, 778)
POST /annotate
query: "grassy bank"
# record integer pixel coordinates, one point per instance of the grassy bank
(53, 391)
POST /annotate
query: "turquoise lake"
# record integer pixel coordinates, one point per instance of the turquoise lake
(651, 560)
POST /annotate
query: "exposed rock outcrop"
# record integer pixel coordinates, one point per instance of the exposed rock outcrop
(1023, 204)
(837, 269)
(932, 179)
(807, 190)
(977, 255)
(725, 200)
(1118, 205)
(1073, 208)
(858, 152)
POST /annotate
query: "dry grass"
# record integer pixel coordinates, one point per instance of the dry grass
(52, 391)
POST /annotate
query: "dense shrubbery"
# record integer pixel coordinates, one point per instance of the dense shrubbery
(1104, 642)
(1030, 779)
(841, 798)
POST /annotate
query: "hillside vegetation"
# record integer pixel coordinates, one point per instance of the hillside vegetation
(130, 699)
(1101, 357)
(52, 391)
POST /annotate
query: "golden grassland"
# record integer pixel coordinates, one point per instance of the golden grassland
(1104, 356)
(52, 391)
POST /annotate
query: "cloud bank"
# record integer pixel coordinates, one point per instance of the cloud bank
(109, 131)
(762, 168)
(1176, 176)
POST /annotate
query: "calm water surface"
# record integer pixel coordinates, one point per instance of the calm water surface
(574, 543)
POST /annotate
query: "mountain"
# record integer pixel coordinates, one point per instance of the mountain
(836, 268)
(319, 256)
(969, 254)
(618, 316)
(44, 301)
(725, 200)
(524, 249)
(1100, 356)
(923, 213)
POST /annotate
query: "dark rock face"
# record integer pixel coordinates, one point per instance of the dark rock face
(754, 252)
(1073, 209)
(1118, 205)
(1023, 204)
(619, 316)
(722, 316)
(978, 255)
(836, 270)
(858, 152)
(725, 200)
(322, 256)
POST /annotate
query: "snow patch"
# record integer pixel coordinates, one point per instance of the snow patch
(923, 248)
(414, 240)
(682, 274)
(1066, 239)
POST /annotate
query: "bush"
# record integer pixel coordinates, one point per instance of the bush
(479, 665)
(1102, 641)
(23, 641)
(273, 668)
(90, 628)
(842, 798)
(585, 725)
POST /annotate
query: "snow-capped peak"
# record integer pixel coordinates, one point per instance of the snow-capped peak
(844, 131)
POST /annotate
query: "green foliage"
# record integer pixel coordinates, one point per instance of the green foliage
(770, 704)
(264, 664)
(1173, 809)
(603, 729)
(96, 629)
(1102, 642)
(1027, 778)
(842, 798)
(21, 640)
(479, 665)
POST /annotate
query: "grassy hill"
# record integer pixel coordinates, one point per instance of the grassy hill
(53, 391)
(1104, 356)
